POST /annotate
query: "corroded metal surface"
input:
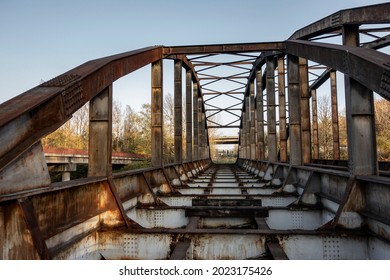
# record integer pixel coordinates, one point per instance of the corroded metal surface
(341, 58)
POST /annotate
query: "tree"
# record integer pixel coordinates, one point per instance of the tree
(131, 131)
(325, 139)
(382, 127)
(343, 136)
(169, 128)
(73, 134)
(145, 128)
(117, 126)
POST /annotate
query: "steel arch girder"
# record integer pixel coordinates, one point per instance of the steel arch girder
(369, 67)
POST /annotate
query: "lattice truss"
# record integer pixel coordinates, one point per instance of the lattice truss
(223, 79)
(373, 36)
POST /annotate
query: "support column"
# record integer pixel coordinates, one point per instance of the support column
(178, 116)
(204, 135)
(100, 134)
(271, 113)
(65, 176)
(252, 133)
(335, 116)
(247, 127)
(316, 147)
(200, 130)
(260, 115)
(305, 110)
(188, 115)
(294, 106)
(244, 134)
(240, 142)
(242, 130)
(157, 113)
(195, 121)
(65, 170)
(282, 110)
(359, 101)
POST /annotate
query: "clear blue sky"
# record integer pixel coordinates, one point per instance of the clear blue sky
(41, 39)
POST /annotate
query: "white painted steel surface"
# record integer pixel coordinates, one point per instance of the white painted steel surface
(227, 247)
(151, 218)
(177, 200)
(318, 247)
(293, 219)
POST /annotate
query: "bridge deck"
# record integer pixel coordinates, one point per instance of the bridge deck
(228, 212)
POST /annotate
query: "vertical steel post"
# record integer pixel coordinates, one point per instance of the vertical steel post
(200, 128)
(207, 141)
(260, 115)
(244, 129)
(240, 142)
(305, 109)
(271, 112)
(252, 132)
(316, 147)
(247, 127)
(335, 116)
(243, 134)
(157, 113)
(178, 116)
(282, 110)
(359, 101)
(204, 134)
(294, 106)
(256, 141)
(195, 121)
(188, 115)
(100, 134)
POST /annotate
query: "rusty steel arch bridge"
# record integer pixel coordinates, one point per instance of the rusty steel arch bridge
(278, 201)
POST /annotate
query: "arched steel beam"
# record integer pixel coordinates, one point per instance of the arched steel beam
(260, 61)
(374, 14)
(380, 43)
(27, 118)
(369, 67)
